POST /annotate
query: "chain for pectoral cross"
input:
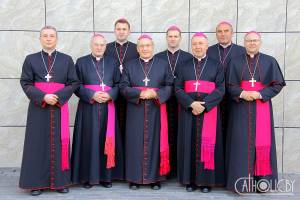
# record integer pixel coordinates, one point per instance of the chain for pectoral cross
(146, 79)
(119, 56)
(48, 76)
(170, 63)
(252, 80)
(225, 56)
(196, 74)
(101, 78)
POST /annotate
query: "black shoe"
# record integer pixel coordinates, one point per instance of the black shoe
(106, 184)
(63, 191)
(87, 185)
(190, 188)
(35, 192)
(205, 189)
(155, 186)
(133, 186)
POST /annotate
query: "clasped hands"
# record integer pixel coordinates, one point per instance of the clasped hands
(250, 95)
(197, 107)
(148, 94)
(51, 99)
(101, 97)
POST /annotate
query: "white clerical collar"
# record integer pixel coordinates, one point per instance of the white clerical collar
(226, 45)
(49, 52)
(97, 57)
(173, 50)
(199, 59)
(146, 60)
(252, 55)
(121, 43)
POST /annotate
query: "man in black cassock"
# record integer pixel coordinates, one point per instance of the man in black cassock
(175, 57)
(253, 79)
(199, 87)
(146, 84)
(97, 155)
(49, 80)
(224, 51)
(122, 51)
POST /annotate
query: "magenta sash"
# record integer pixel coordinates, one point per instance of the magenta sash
(164, 143)
(109, 149)
(51, 88)
(263, 132)
(209, 127)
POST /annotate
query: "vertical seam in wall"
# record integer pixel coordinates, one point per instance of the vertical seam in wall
(237, 21)
(45, 11)
(141, 17)
(283, 91)
(94, 16)
(189, 26)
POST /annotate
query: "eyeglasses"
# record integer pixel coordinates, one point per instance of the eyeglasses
(253, 41)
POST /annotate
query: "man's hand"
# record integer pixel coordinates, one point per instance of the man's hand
(197, 107)
(247, 96)
(104, 97)
(148, 94)
(255, 95)
(51, 99)
(101, 97)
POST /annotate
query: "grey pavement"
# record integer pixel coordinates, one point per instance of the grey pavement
(171, 190)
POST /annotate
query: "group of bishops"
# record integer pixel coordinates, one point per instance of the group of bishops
(204, 117)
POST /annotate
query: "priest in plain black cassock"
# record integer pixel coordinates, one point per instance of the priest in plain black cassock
(175, 57)
(49, 80)
(199, 87)
(97, 155)
(122, 51)
(253, 79)
(224, 51)
(146, 84)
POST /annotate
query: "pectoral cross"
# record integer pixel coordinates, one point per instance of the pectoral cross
(146, 80)
(47, 77)
(121, 68)
(102, 85)
(196, 85)
(252, 81)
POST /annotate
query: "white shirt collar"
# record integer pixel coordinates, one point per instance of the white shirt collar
(146, 60)
(49, 52)
(225, 46)
(121, 43)
(199, 59)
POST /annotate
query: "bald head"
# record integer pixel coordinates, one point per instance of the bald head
(98, 45)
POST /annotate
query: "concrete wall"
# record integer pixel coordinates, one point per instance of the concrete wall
(20, 22)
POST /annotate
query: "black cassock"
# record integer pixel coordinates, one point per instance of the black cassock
(89, 163)
(240, 148)
(174, 60)
(224, 56)
(122, 54)
(41, 164)
(143, 119)
(190, 168)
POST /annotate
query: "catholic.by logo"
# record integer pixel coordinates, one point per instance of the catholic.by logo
(273, 187)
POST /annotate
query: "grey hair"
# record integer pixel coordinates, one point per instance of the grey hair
(48, 27)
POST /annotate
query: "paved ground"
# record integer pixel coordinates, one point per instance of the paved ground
(171, 190)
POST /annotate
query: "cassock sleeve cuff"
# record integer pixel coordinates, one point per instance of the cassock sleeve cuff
(43, 104)
(58, 105)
